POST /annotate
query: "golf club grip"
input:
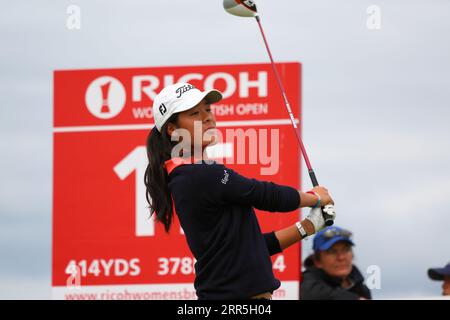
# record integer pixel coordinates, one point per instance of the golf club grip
(329, 221)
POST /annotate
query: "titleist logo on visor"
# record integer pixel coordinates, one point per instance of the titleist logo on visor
(184, 89)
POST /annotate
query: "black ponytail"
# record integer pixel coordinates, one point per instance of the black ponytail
(156, 179)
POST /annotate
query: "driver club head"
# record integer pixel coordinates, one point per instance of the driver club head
(240, 8)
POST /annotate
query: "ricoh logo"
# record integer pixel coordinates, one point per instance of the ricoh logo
(106, 96)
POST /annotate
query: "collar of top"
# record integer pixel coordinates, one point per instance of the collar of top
(173, 163)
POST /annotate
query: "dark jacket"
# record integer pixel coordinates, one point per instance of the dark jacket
(215, 207)
(317, 285)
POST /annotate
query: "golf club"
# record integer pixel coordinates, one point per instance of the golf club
(247, 8)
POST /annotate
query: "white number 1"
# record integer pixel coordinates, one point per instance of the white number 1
(136, 161)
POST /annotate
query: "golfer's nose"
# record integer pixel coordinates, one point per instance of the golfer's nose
(206, 116)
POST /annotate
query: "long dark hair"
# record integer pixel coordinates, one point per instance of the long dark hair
(156, 179)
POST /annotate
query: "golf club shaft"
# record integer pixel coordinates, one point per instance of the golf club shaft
(328, 219)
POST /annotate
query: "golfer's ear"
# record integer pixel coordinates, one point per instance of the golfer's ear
(171, 128)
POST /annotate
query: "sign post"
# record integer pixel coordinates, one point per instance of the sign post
(105, 245)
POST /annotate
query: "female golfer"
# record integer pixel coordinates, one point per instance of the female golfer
(215, 204)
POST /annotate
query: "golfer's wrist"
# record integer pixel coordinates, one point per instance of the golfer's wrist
(308, 226)
(309, 199)
(318, 199)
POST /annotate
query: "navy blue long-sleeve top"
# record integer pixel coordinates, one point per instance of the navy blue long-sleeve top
(215, 207)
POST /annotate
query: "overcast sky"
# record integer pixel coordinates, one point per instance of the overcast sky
(376, 113)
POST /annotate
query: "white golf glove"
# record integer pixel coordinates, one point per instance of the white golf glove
(316, 218)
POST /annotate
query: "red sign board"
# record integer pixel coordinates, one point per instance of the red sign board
(105, 246)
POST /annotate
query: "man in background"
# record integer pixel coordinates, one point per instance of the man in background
(441, 274)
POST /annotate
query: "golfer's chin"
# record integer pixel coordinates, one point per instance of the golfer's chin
(210, 142)
(210, 138)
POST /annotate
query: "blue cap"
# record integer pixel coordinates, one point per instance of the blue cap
(439, 273)
(326, 238)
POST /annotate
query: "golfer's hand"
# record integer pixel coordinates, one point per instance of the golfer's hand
(315, 217)
(325, 197)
